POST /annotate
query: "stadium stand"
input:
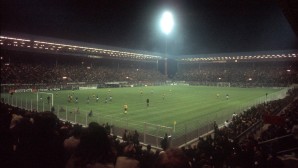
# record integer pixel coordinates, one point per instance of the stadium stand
(244, 74)
(28, 73)
(32, 139)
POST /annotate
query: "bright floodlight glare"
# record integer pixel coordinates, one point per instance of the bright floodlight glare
(167, 22)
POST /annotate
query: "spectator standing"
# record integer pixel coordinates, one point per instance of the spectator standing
(135, 138)
(165, 142)
(172, 158)
(94, 149)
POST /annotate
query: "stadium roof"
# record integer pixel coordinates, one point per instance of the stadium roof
(201, 26)
(26, 42)
(31, 43)
(244, 57)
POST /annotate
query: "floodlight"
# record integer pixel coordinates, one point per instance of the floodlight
(167, 22)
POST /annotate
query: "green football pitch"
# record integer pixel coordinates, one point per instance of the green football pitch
(167, 104)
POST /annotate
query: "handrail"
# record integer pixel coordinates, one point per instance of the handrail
(288, 150)
(249, 130)
(274, 139)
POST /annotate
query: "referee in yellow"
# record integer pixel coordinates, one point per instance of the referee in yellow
(125, 108)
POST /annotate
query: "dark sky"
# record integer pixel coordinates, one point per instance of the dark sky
(201, 26)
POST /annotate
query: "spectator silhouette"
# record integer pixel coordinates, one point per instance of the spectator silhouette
(172, 158)
(94, 150)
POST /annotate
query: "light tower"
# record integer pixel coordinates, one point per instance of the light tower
(166, 24)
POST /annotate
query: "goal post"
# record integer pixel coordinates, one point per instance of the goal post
(38, 96)
(223, 84)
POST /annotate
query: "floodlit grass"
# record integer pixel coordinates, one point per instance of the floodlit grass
(182, 104)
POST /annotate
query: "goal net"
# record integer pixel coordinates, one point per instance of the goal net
(223, 84)
(44, 98)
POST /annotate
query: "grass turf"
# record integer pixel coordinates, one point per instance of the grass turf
(168, 104)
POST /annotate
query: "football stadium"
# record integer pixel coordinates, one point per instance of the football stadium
(69, 103)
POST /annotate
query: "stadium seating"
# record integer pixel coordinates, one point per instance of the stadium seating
(242, 74)
(22, 73)
(251, 74)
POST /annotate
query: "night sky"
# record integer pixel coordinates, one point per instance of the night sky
(201, 26)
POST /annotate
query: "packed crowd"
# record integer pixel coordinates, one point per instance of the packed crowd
(224, 149)
(26, 73)
(30, 139)
(240, 123)
(247, 73)
(253, 74)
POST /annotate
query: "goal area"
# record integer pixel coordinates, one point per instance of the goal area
(223, 84)
(42, 97)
